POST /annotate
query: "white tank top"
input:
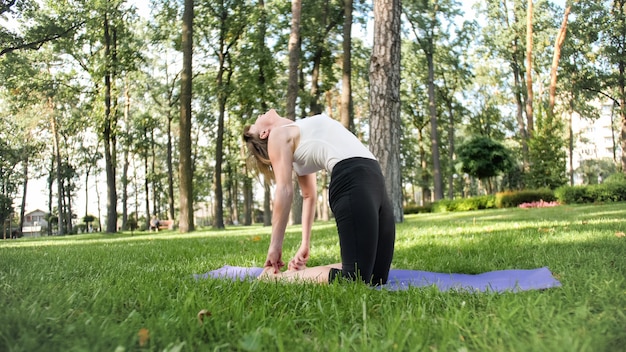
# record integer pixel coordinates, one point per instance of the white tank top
(323, 143)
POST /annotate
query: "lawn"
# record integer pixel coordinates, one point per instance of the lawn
(135, 292)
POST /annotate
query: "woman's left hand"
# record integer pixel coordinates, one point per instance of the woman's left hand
(299, 260)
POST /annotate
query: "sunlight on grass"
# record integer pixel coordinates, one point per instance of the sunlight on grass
(136, 292)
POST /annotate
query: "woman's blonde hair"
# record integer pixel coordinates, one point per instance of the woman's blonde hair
(258, 157)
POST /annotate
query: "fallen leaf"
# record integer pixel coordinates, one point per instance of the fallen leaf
(256, 238)
(203, 313)
(620, 234)
(144, 336)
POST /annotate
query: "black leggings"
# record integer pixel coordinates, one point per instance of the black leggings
(364, 219)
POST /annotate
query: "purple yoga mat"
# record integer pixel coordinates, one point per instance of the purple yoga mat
(402, 279)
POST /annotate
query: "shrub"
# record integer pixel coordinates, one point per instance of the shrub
(572, 194)
(464, 204)
(511, 199)
(418, 209)
(616, 178)
(613, 190)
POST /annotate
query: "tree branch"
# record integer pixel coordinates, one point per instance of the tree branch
(35, 45)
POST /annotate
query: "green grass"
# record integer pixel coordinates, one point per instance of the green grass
(136, 293)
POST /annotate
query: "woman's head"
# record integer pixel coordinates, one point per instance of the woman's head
(258, 157)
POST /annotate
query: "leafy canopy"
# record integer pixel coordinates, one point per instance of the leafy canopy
(482, 157)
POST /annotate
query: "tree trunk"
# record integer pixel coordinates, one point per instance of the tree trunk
(68, 207)
(186, 169)
(126, 162)
(621, 79)
(218, 213)
(292, 93)
(267, 205)
(248, 199)
(434, 125)
(267, 216)
(153, 179)
(570, 144)
(346, 108)
(50, 183)
(517, 90)
(425, 177)
(146, 188)
(57, 158)
(529, 68)
(558, 44)
(109, 135)
(170, 170)
(385, 122)
(294, 59)
(451, 149)
(24, 189)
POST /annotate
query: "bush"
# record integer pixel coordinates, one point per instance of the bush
(464, 204)
(572, 194)
(616, 178)
(418, 209)
(613, 190)
(511, 199)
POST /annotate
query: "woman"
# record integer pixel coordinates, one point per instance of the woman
(357, 195)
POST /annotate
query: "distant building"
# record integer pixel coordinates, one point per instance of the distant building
(34, 222)
(596, 140)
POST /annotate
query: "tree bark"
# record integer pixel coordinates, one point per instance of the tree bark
(385, 120)
(294, 59)
(529, 68)
(292, 93)
(24, 189)
(170, 170)
(434, 126)
(558, 44)
(109, 135)
(125, 156)
(346, 108)
(57, 163)
(185, 169)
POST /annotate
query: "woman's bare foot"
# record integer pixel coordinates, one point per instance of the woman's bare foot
(268, 274)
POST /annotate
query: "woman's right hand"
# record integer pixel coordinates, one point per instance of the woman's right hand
(274, 260)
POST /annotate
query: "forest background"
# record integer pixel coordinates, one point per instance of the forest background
(93, 90)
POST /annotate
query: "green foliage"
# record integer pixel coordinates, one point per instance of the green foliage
(464, 204)
(573, 194)
(546, 153)
(618, 177)
(612, 191)
(512, 199)
(482, 157)
(418, 209)
(6, 208)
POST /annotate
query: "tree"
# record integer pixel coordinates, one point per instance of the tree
(45, 29)
(292, 93)
(529, 67)
(548, 168)
(503, 37)
(558, 45)
(484, 158)
(185, 167)
(346, 68)
(425, 20)
(294, 59)
(226, 23)
(385, 123)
